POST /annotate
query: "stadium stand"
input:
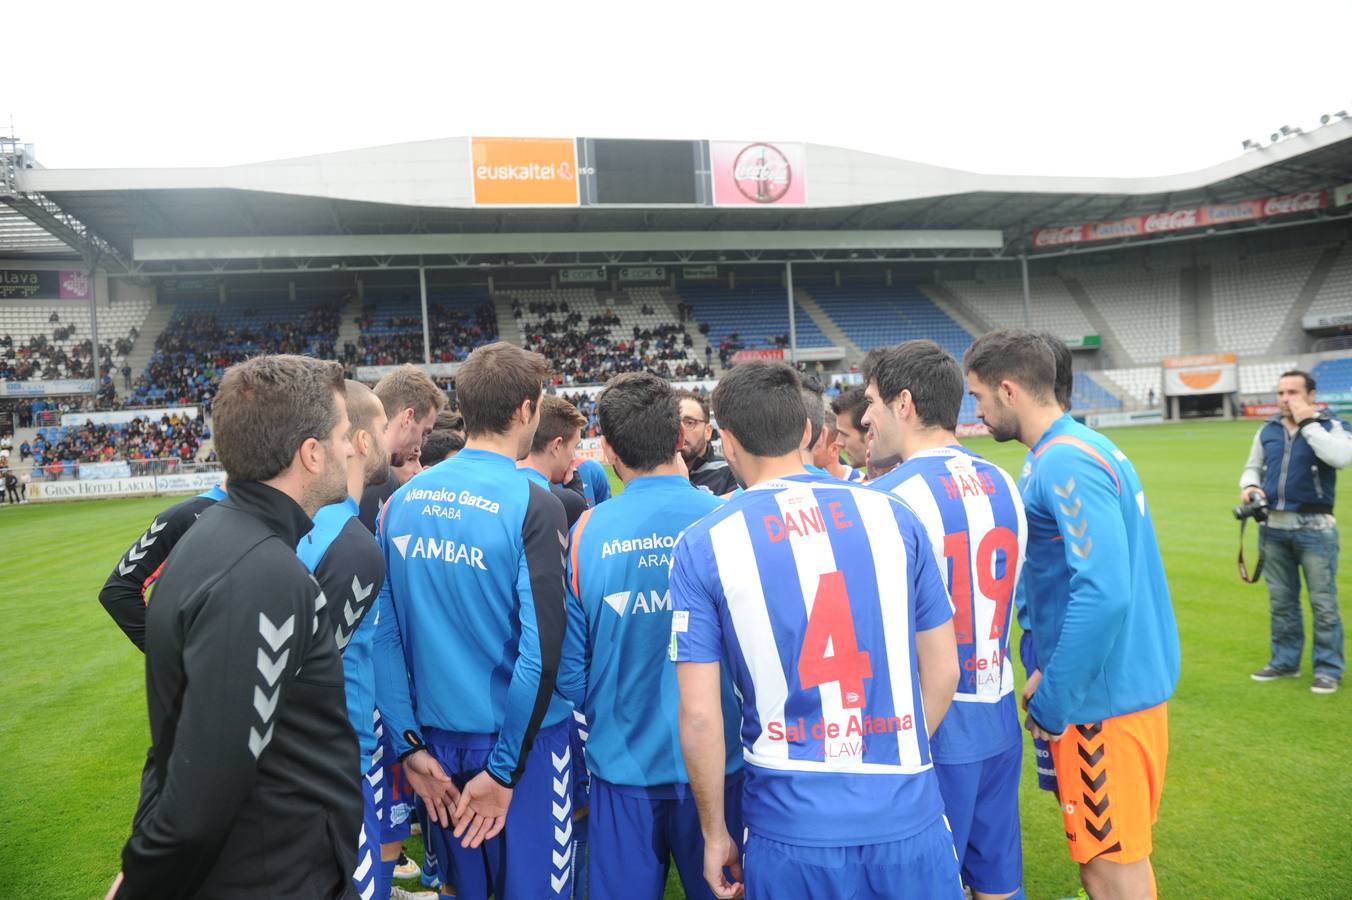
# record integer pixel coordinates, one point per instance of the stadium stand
(1261, 378)
(139, 440)
(1335, 294)
(1332, 375)
(1142, 308)
(1253, 295)
(203, 338)
(1052, 308)
(878, 315)
(1137, 382)
(52, 341)
(391, 328)
(587, 338)
(751, 317)
(1086, 393)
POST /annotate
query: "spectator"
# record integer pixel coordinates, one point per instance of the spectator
(1293, 466)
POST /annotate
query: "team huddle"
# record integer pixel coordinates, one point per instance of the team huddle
(789, 676)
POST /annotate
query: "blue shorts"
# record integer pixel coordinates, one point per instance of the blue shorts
(394, 794)
(920, 867)
(533, 856)
(981, 801)
(634, 835)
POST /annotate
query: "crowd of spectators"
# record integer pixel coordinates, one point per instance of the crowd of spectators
(42, 357)
(453, 332)
(194, 351)
(589, 352)
(168, 439)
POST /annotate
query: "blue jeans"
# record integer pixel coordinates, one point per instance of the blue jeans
(1287, 553)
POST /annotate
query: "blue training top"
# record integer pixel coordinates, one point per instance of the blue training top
(474, 582)
(619, 561)
(1102, 620)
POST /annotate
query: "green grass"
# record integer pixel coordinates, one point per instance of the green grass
(1258, 801)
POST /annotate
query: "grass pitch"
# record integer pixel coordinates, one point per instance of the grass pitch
(1258, 801)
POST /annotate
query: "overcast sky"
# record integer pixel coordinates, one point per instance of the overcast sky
(1133, 87)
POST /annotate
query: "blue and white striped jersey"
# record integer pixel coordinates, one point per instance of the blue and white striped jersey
(974, 516)
(811, 593)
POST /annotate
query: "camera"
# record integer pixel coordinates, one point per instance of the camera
(1256, 509)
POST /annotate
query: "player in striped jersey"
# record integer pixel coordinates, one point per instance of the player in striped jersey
(975, 520)
(824, 601)
(1103, 620)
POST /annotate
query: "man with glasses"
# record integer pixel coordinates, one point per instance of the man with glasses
(708, 470)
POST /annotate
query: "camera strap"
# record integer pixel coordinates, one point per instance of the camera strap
(1243, 568)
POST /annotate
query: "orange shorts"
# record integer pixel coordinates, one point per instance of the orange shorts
(1109, 778)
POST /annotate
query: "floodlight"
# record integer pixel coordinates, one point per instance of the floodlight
(1326, 118)
(1252, 145)
(1287, 131)
(1275, 137)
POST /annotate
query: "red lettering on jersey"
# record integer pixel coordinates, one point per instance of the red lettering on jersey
(950, 488)
(838, 518)
(774, 528)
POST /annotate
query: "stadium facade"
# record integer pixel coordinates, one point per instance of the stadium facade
(1195, 285)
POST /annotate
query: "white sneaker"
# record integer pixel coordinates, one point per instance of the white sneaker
(407, 868)
(398, 893)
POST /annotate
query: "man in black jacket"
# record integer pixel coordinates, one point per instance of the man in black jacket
(708, 470)
(254, 784)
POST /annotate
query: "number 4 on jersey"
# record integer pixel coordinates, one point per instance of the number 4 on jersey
(831, 623)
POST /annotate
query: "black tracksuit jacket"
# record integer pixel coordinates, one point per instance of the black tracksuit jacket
(252, 788)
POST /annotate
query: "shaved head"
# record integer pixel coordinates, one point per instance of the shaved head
(363, 406)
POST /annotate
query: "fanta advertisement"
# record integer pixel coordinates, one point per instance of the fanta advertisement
(758, 173)
(524, 171)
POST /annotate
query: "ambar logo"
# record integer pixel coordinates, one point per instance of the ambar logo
(524, 171)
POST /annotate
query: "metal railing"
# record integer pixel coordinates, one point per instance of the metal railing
(70, 471)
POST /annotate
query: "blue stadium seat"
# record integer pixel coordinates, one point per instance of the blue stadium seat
(1333, 374)
(757, 314)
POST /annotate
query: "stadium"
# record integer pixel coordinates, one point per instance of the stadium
(126, 293)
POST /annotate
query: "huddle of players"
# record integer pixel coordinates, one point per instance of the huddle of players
(840, 719)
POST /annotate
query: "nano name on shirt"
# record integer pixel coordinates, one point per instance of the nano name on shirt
(653, 541)
(442, 495)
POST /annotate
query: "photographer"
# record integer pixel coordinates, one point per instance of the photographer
(1289, 480)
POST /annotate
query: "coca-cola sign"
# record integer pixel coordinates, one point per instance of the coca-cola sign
(758, 173)
(1306, 201)
(1052, 237)
(1176, 220)
(1182, 219)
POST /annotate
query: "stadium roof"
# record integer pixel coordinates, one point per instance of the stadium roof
(418, 200)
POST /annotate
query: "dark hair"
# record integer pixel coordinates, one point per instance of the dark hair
(851, 401)
(409, 387)
(493, 383)
(816, 407)
(925, 369)
(439, 444)
(266, 407)
(1300, 373)
(761, 403)
(1012, 354)
(692, 395)
(558, 419)
(449, 420)
(1065, 369)
(641, 419)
